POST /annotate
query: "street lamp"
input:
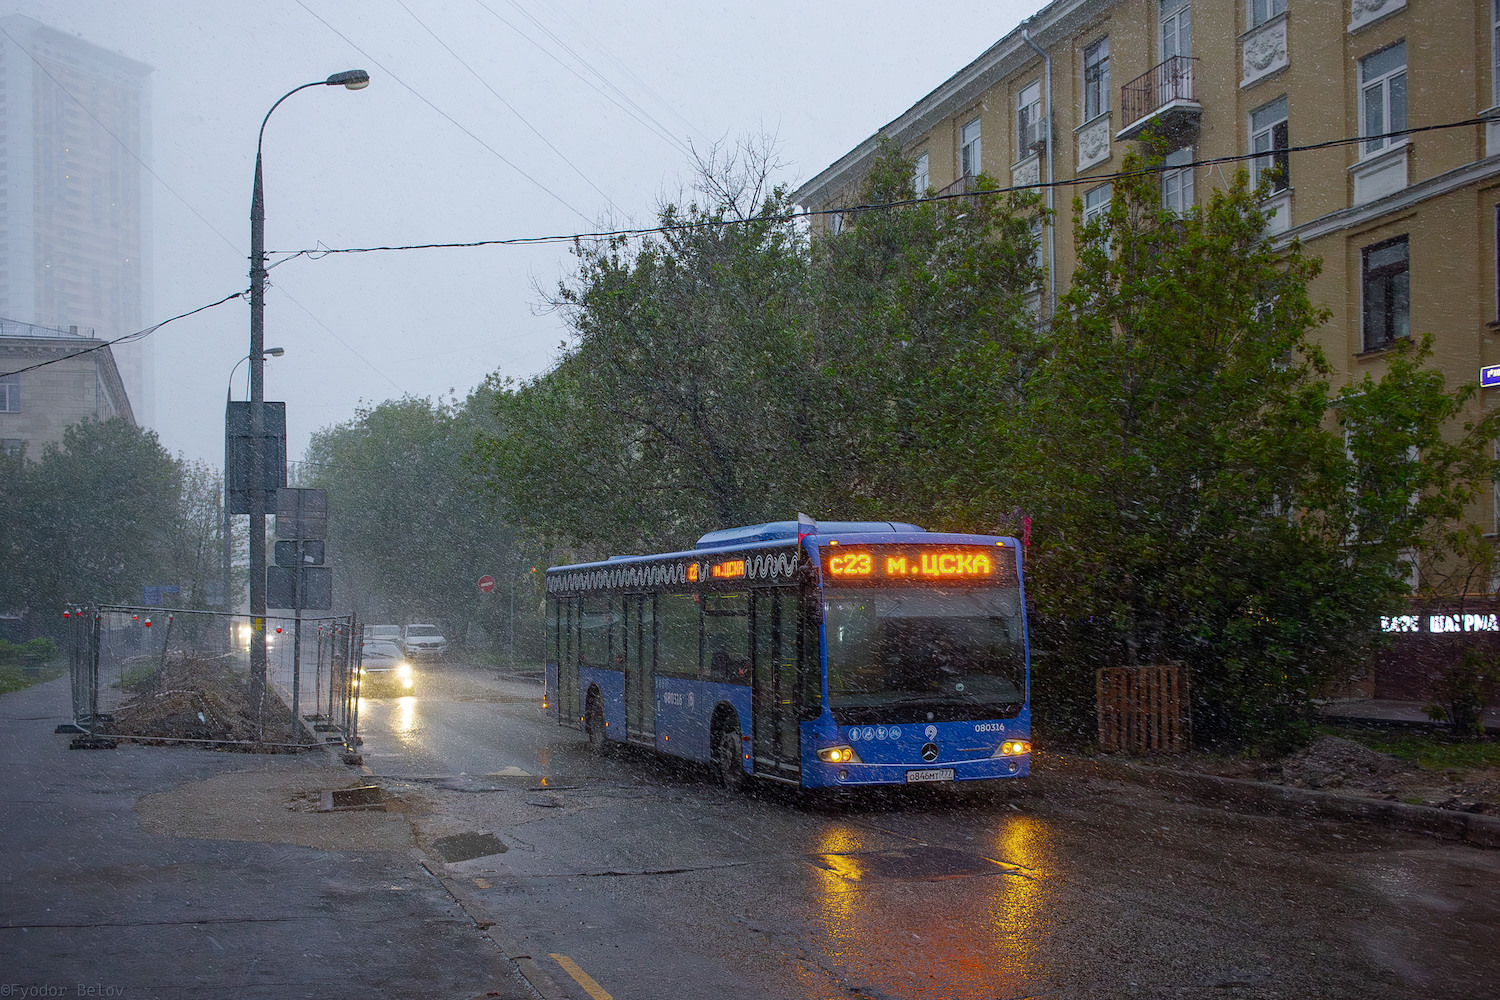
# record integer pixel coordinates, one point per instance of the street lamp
(226, 530)
(354, 79)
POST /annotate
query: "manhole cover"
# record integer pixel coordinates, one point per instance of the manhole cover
(467, 846)
(910, 864)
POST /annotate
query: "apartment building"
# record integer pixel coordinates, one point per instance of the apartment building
(1407, 226)
(75, 193)
(50, 379)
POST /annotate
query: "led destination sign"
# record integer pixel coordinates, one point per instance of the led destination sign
(918, 564)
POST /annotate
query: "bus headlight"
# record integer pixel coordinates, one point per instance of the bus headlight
(1013, 748)
(837, 755)
(404, 671)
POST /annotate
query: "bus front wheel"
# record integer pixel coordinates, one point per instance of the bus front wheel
(727, 751)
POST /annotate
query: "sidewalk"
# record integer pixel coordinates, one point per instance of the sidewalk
(164, 872)
(1385, 711)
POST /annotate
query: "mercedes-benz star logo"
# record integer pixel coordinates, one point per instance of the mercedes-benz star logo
(929, 752)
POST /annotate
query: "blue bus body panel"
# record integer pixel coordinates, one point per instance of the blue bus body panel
(887, 752)
(681, 729)
(611, 685)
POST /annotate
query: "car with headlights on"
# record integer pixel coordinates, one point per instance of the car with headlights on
(384, 669)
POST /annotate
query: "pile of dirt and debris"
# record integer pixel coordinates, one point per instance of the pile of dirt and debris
(1334, 762)
(204, 701)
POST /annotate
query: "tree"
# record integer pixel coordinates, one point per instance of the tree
(91, 521)
(1192, 503)
(733, 369)
(409, 531)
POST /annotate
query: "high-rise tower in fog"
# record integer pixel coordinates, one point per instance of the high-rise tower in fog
(75, 209)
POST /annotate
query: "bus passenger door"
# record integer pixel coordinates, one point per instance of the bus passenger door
(640, 658)
(775, 713)
(567, 661)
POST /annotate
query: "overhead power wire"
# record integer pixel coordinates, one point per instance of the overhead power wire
(608, 53)
(1090, 181)
(129, 337)
(585, 63)
(646, 122)
(509, 106)
(449, 118)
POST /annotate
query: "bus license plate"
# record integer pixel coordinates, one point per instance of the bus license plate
(930, 774)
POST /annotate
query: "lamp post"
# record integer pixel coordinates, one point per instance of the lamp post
(354, 79)
(226, 529)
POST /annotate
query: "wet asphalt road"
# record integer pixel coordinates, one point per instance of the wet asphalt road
(655, 883)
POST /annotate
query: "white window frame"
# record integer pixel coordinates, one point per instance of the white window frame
(1028, 118)
(1390, 88)
(1177, 195)
(1096, 202)
(10, 393)
(921, 178)
(970, 149)
(1391, 313)
(1262, 11)
(1264, 140)
(1096, 78)
(1178, 15)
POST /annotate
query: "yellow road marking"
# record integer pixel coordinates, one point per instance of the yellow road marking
(585, 980)
(483, 883)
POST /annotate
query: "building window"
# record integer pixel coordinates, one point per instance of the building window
(921, 180)
(1096, 203)
(968, 149)
(1177, 181)
(1096, 79)
(10, 394)
(1268, 134)
(11, 446)
(1495, 52)
(1262, 11)
(1382, 97)
(1385, 283)
(1029, 119)
(835, 223)
(1176, 29)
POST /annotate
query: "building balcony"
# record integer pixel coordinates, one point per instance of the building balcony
(1163, 100)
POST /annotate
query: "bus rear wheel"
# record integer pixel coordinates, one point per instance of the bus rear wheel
(727, 767)
(594, 724)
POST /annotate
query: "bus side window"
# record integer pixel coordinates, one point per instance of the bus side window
(809, 657)
(677, 631)
(595, 626)
(726, 638)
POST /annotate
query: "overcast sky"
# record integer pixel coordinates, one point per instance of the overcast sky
(602, 98)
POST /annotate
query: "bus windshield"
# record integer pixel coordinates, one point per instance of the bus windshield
(928, 654)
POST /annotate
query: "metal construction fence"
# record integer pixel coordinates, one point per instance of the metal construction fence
(165, 674)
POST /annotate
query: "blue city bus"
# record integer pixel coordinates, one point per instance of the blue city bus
(826, 655)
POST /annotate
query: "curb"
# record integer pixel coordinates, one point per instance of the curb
(1283, 800)
(512, 949)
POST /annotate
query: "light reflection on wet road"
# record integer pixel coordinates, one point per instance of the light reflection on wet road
(661, 885)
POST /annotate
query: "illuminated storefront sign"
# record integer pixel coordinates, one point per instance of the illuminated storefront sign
(1440, 624)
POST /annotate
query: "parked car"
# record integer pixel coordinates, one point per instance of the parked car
(384, 668)
(424, 642)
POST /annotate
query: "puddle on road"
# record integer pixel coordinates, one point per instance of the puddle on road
(921, 863)
(468, 846)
